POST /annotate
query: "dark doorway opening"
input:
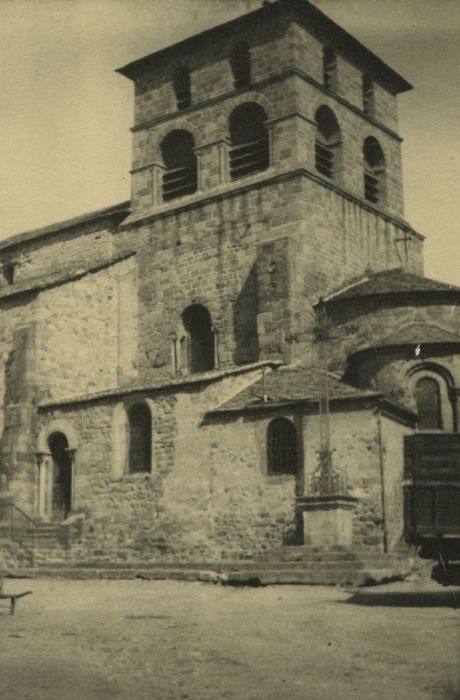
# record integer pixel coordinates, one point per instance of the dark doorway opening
(61, 496)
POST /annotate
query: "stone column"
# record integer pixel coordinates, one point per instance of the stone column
(215, 333)
(71, 452)
(43, 460)
(157, 183)
(223, 154)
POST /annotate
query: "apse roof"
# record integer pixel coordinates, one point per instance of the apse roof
(419, 333)
(395, 281)
(292, 384)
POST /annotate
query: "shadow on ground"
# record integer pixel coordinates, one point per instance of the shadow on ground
(407, 599)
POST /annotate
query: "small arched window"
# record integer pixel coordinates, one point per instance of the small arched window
(140, 439)
(329, 68)
(240, 62)
(374, 171)
(328, 142)
(182, 88)
(249, 138)
(368, 94)
(282, 447)
(180, 177)
(200, 336)
(428, 400)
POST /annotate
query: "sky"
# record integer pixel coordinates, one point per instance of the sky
(65, 115)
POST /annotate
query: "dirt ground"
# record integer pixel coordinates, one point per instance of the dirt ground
(171, 640)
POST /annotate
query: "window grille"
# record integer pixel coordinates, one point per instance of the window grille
(282, 447)
(371, 188)
(250, 141)
(374, 171)
(327, 143)
(324, 159)
(181, 177)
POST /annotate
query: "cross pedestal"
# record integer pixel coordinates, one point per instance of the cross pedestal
(327, 520)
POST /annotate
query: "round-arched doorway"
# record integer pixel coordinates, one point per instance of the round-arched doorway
(61, 494)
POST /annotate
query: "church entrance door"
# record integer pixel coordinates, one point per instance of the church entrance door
(61, 496)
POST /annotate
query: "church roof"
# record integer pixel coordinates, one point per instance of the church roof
(319, 24)
(395, 281)
(419, 333)
(292, 384)
(115, 212)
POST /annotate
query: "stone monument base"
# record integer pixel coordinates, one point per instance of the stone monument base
(327, 520)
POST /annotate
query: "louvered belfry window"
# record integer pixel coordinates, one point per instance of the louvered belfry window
(282, 446)
(327, 143)
(374, 171)
(249, 151)
(181, 176)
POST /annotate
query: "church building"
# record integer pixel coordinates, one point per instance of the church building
(246, 356)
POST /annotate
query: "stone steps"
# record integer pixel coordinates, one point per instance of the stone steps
(234, 573)
(230, 566)
(254, 577)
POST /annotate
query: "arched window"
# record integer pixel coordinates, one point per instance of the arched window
(240, 62)
(282, 447)
(200, 335)
(249, 139)
(368, 94)
(182, 88)
(428, 400)
(179, 158)
(140, 438)
(328, 142)
(374, 171)
(329, 68)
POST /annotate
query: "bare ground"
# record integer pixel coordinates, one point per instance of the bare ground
(169, 640)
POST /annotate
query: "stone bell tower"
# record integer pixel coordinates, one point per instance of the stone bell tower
(266, 172)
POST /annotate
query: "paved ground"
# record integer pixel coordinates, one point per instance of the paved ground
(88, 640)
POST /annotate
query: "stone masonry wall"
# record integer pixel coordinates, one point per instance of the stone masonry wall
(207, 497)
(365, 323)
(212, 253)
(69, 249)
(77, 342)
(393, 455)
(356, 454)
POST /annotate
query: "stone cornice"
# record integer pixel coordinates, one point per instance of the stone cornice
(231, 189)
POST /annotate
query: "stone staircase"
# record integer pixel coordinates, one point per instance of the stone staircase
(283, 565)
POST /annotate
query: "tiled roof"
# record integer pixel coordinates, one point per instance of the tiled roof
(394, 281)
(292, 384)
(305, 11)
(118, 211)
(160, 385)
(419, 333)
